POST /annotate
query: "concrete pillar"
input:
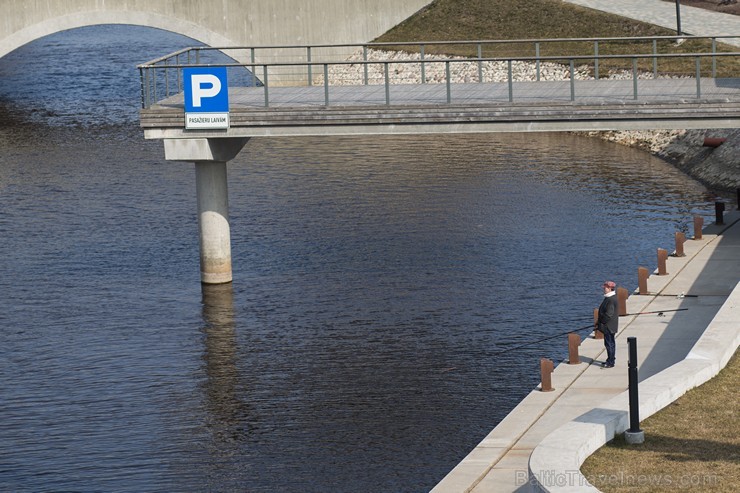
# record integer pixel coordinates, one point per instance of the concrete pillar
(210, 157)
(213, 222)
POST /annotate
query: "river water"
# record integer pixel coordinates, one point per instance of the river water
(378, 283)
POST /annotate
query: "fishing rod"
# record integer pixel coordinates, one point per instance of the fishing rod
(526, 344)
(534, 326)
(659, 312)
(590, 326)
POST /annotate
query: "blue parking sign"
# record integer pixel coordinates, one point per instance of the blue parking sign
(206, 90)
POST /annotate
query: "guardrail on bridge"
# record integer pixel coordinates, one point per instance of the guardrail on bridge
(366, 64)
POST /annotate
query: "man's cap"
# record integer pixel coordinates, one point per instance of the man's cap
(610, 284)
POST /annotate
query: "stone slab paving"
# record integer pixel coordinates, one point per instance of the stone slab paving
(705, 276)
(699, 22)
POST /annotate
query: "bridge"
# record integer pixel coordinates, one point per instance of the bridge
(375, 91)
(376, 96)
(222, 23)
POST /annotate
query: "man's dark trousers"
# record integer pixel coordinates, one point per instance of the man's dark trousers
(611, 346)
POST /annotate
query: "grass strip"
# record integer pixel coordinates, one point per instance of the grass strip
(692, 445)
(455, 20)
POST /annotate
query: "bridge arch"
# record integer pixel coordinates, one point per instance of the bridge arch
(223, 23)
(136, 18)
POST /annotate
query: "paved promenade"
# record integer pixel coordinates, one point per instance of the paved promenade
(699, 22)
(698, 284)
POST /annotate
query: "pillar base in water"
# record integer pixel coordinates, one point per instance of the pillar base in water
(211, 278)
(210, 157)
(213, 221)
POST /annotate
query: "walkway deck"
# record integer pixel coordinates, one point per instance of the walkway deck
(473, 107)
(706, 275)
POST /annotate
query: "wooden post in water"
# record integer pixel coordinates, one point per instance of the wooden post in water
(622, 295)
(574, 340)
(662, 262)
(680, 240)
(642, 278)
(698, 225)
(546, 369)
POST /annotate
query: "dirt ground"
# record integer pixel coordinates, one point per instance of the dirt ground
(724, 6)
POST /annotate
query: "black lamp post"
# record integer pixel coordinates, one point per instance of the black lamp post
(634, 435)
(678, 17)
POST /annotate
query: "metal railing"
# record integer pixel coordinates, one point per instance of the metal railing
(313, 65)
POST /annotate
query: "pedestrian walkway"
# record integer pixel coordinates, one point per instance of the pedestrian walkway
(695, 21)
(681, 306)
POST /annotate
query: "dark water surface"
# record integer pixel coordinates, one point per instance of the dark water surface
(376, 282)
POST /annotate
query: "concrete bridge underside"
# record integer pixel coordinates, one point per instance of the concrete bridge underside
(222, 23)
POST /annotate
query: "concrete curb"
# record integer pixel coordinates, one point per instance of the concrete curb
(554, 465)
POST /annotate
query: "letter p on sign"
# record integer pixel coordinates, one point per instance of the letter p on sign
(206, 90)
(204, 86)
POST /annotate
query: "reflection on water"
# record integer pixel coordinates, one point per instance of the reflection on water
(222, 386)
(359, 349)
(229, 417)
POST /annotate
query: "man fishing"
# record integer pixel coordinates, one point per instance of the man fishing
(608, 322)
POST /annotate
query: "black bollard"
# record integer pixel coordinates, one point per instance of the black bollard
(634, 435)
(719, 209)
(678, 17)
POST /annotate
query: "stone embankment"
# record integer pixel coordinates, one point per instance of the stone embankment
(717, 167)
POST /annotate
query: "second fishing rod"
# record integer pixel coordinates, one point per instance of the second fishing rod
(516, 345)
